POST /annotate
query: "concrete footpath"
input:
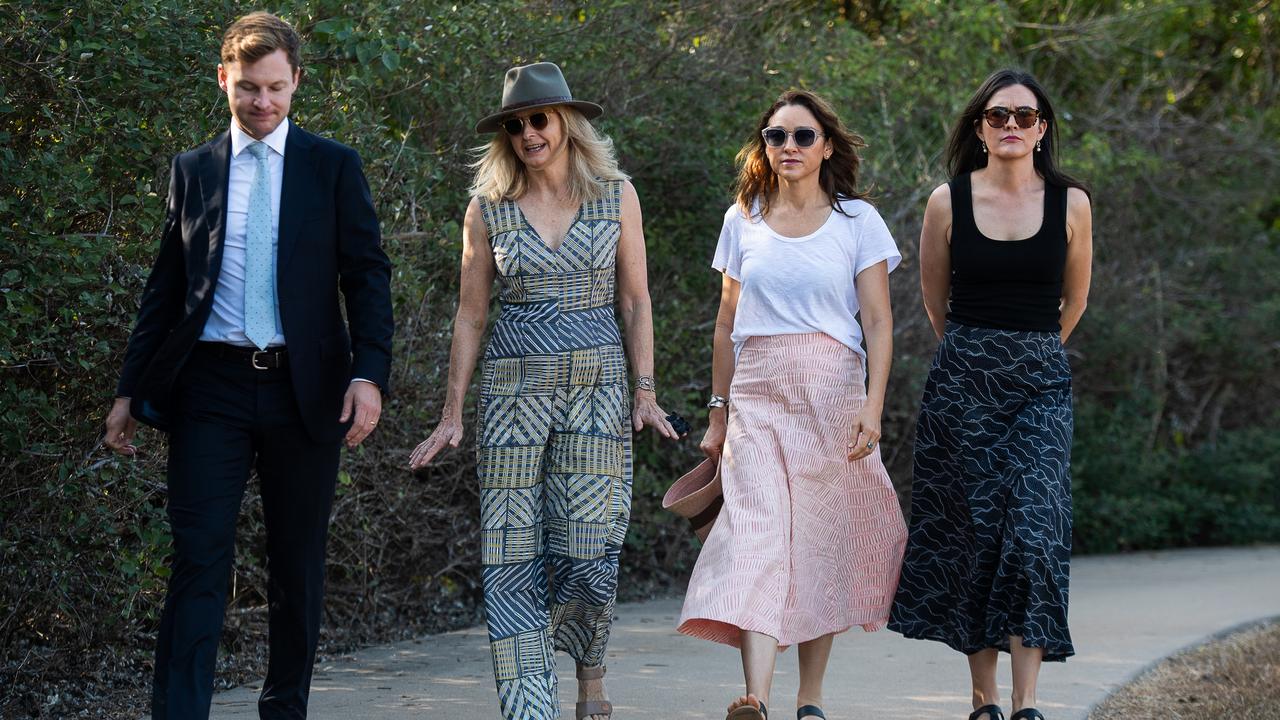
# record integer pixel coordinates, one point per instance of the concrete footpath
(1127, 612)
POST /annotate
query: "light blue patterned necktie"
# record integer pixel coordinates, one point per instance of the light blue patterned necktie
(259, 259)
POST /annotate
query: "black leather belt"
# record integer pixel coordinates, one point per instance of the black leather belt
(270, 359)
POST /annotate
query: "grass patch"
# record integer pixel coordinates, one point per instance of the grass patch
(1235, 677)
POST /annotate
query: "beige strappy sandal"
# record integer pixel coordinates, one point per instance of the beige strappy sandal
(587, 708)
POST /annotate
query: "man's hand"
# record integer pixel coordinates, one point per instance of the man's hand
(363, 401)
(120, 428)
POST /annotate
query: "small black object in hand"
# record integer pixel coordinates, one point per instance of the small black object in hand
(679, 424)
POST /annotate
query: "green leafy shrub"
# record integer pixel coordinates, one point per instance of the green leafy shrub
(1168, 111)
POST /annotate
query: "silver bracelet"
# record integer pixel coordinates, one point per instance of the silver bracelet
(718, 401)
(646, 382)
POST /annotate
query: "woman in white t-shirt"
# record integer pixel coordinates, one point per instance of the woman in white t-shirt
(809, 541)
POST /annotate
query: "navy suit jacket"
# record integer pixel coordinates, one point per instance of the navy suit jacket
(329, 241)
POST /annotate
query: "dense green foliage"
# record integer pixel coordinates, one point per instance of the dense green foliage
(1168, 110)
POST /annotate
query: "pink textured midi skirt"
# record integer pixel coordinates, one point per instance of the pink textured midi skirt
(807, 543)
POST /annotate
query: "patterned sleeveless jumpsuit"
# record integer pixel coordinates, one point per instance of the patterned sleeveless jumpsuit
(554, 450)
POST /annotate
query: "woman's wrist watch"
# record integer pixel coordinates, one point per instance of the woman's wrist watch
(717, 401)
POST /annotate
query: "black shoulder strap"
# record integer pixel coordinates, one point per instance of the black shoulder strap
(962, 222)
(1055, 206)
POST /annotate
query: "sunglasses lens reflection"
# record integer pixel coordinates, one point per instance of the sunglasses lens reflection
(777, 137)
(1024, 117)
(515, 125)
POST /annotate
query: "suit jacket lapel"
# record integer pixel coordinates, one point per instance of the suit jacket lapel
(215, 170)
(295, 188)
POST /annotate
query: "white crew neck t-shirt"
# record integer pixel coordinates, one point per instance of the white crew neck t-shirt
(795, 285)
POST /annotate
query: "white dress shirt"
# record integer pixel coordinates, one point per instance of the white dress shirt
(226, 322)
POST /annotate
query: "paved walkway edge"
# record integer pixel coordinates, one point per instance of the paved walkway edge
(1128, 613)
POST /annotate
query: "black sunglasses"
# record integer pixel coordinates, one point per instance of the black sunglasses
(515, 125)
(997, 116)
(777, 137)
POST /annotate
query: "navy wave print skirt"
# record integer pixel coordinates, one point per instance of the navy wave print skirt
(989, 551)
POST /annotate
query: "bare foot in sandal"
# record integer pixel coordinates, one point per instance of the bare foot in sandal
(746, 707)
(592, 694)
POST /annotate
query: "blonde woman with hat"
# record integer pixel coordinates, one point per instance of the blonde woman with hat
(809, 539)
(556, 222)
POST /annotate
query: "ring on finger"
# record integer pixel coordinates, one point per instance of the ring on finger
(871, 444)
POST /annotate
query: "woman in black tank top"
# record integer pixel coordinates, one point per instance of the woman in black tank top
(1005, 253)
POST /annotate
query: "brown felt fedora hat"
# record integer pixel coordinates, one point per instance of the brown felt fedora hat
(696, 496)
(530, 86)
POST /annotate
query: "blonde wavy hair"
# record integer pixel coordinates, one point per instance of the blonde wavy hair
(500, 175)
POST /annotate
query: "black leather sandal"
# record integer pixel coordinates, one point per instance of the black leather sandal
(805, 711)
(1028, 714)
(993, 712)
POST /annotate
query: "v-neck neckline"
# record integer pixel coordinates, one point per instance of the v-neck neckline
(542, 241)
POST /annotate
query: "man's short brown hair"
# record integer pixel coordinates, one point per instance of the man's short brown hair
(256, 36)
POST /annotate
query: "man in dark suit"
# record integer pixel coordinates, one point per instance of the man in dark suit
(241, 354)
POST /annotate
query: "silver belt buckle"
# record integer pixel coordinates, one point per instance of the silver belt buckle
(253, 359)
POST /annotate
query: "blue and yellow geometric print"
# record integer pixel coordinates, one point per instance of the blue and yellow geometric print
(554, 451)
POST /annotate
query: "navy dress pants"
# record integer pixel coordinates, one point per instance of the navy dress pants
(232, 418)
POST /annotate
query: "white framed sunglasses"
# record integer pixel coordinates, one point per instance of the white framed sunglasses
(777, 136)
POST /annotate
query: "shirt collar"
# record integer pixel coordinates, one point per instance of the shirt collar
(241, 139)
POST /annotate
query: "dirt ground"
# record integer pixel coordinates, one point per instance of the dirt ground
(1233, 678)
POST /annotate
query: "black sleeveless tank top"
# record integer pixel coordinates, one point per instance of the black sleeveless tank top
(1008, 285)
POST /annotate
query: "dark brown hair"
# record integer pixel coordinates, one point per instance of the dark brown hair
(256, 36)
(838, 175)
(964, 147)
